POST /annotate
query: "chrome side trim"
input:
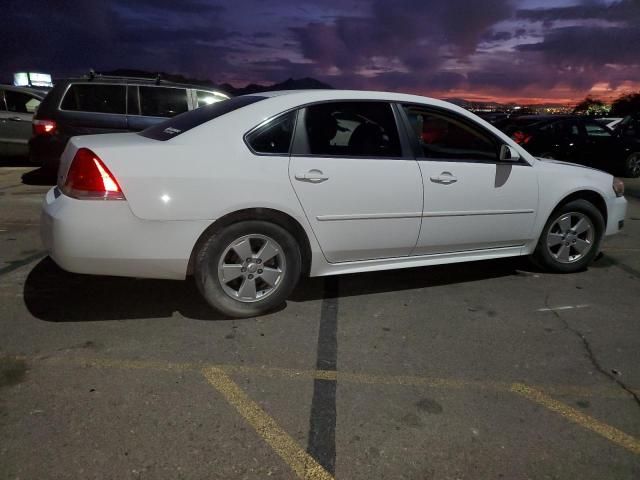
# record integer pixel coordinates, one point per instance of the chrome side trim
(386, 216)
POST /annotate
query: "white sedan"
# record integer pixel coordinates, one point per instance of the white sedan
(250, 193)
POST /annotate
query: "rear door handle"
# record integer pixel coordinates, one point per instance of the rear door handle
(445, 178)
(313, 176)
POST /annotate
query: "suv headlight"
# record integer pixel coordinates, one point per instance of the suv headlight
(618, 186)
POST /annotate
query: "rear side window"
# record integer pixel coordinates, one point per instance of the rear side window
(162, 101)
(595, 130)
(20, 102)
(94, 97)
(352, 129)
(184, 122)
(274, 137)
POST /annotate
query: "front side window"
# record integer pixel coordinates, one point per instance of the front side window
(274, 137)
(162, 101)
(447, 136)
(94, 97)
(21, 102)
(352, 129)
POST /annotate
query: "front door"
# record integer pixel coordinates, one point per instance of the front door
(472, 201)
(361, 194)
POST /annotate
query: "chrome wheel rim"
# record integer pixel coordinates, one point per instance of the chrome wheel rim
(633, 164)
(570, 237)
(251, 268)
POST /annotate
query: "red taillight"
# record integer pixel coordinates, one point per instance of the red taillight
(521, 138)
(89, 178)
(43, 127)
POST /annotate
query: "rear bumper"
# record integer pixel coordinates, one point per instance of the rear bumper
(617, 210)
(105, 238)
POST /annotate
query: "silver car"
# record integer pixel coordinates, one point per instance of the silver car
(17, 106)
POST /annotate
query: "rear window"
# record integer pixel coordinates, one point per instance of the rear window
(175, 126)
(163, 101)
(95, 98)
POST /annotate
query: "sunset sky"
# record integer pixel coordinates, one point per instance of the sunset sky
(506, 50)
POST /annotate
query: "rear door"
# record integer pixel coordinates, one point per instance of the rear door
(16, 113)
(360, 190)
(472, 200)
(151, 104)
(90, 108)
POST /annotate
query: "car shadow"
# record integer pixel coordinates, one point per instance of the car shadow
(15, 161)
(54, 295)
(39, 176)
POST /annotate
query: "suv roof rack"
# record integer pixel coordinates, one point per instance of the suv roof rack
(157, 79)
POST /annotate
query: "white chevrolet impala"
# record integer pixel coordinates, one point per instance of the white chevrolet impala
(250, 193)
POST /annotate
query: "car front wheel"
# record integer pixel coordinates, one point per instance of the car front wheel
(571, 237)
(248, 269)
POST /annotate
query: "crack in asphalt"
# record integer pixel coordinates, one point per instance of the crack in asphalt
(591, 355)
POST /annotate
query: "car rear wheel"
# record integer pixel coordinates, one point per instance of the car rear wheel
(632, 166)
(248, 269)
(571, 237)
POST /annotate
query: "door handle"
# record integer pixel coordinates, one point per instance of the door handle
(313, 176)
(445, 178)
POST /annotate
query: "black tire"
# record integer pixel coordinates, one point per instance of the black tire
(209, 256)
(631, 167)
(543, 258)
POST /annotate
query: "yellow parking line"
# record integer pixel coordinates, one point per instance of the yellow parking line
(342, 376)
(300, 461)
(607, 431)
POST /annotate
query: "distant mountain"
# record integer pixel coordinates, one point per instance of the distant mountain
(289, 84)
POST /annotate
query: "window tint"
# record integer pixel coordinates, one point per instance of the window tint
(564, 128)
(444, 135)
(595, 130)
(352, 129)
(162, 101)
(182, 123)
(20, 102)
(207, 98)
(275, 136)
(94, 97)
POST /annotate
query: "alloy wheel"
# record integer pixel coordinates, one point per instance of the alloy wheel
(570, 237)
(251, 268)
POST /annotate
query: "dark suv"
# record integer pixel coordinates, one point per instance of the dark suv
(574, 139)
(101, 104)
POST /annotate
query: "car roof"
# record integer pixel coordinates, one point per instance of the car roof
(34, 91)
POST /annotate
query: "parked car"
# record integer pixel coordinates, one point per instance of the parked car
(101, 104)
(17, 106)
(628, 131)
(576, 139)
(249, 193)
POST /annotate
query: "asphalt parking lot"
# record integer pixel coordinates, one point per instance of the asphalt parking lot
(472, 371)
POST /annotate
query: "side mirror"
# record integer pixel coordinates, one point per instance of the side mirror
(508, 154)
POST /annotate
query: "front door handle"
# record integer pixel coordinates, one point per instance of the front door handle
(313, 176)
(445, 178)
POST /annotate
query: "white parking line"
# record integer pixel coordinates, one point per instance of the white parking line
(564, 307)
